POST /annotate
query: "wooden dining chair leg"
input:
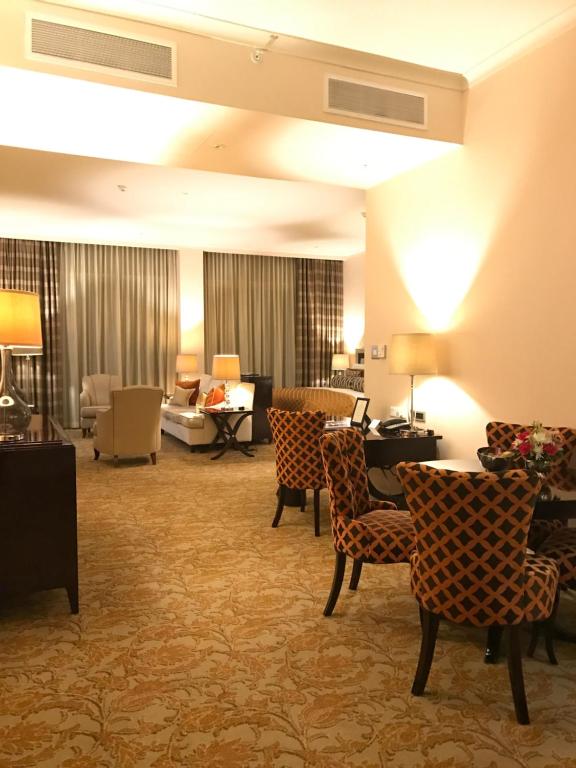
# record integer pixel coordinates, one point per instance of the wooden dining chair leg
(516, 676)
(550, 631)
(302, 500)
(279, 506)
(430, 623)
(317, 512)
(493, 639)
(339, 569)
(356, 573)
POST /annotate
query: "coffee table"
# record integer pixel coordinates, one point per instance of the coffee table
(226, 429)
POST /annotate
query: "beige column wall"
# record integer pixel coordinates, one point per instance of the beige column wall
(480, 246)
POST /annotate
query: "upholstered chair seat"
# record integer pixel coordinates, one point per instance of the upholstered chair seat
(95, 397)
(365, 530)
(471, 563)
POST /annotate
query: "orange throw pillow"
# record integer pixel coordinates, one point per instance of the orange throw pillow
(195, 385)
(215, 396)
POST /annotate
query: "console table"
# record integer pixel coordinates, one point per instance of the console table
(38, 540)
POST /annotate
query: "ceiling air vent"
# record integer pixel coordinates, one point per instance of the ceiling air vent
(88, 48)
(373, 102)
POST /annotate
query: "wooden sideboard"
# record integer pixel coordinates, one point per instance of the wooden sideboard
(38, 539)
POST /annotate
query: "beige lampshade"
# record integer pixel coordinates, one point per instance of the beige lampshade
(20, 319)
(186, 363)
(413, 354)
(340, 361)
(226, 367)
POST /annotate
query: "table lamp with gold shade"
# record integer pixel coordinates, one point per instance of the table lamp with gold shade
(226, 368)
(413, 354)
(20, 326)
(186, 363)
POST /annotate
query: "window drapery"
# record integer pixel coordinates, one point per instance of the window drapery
(29, 265)
(120, 315)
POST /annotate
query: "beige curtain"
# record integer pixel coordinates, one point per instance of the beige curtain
(120, 315)
(249, 305)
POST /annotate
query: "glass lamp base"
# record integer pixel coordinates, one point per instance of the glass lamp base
(15, 414)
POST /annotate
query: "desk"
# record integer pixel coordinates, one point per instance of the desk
(38, 544)
(226, 430)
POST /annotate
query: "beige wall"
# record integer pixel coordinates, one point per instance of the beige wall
(354, 303)
(479, 246)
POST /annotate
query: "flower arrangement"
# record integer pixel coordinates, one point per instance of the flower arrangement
(539, 445)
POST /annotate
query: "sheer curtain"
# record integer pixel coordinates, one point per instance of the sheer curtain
(120, 315)
(30, 265)
(319, 319)
(249, 304)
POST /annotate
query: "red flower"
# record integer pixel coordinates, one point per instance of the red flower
(550, 449)
(524, 448)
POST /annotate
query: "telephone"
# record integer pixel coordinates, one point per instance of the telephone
(392, 425)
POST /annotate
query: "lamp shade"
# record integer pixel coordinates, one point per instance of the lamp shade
(186, 363)
(226, 367)
(340, 361)
(413, 354)
(20, 319)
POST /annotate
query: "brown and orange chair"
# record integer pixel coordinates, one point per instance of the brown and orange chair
(296, 437)
(364, 530)
(470, 564)
(501, 434)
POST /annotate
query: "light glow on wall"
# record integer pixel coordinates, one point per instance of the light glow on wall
(353, 331)
(438, 270)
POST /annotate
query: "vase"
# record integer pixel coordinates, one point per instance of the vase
(541, 468)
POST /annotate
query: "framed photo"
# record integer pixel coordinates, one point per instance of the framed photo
(360, 416)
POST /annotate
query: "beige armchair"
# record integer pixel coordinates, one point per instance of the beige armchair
(95, 397)
(131, 426)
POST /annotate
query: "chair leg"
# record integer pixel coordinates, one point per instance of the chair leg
(84, 432)
(356, 573)
(548, 625)
(153, 457)
(430, 623)
(317, 512)
(339, 569)
(96, 454)
(516, 676)
(302, 500)
(493, 644)
(280, 505)
(116, 460)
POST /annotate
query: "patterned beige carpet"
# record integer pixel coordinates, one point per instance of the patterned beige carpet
(201, 642)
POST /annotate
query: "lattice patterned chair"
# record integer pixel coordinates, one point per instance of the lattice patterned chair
(501, 434)
(470, 563)
(365, 530)
(561, 546)
(296, 437)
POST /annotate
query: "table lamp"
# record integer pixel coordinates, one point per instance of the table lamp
(227, 368)
(27, 353)
(413, 354)
(186, 363)
(20, 326)
(340, 361)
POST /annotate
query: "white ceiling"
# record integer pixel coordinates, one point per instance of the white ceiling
(303, 203)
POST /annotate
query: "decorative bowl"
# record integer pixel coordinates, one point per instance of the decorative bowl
(495, 462)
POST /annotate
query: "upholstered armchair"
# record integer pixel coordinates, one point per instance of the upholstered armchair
(471, 565)
(95, 397)
(131, 426)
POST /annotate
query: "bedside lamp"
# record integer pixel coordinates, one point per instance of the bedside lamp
(19, 326)
(413, 354)
(340, 361)
(186, 363)
(227, 368)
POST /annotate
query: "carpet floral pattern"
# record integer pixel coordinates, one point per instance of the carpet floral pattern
(201, 642)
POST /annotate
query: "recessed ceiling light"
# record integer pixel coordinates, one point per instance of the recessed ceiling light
(122, 187)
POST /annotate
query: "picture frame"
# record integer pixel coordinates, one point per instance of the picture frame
(360, 416)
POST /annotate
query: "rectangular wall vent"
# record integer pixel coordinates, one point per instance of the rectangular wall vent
(374, 102)
(86, 47)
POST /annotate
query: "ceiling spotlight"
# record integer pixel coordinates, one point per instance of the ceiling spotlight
(257, 56)
(121, 187)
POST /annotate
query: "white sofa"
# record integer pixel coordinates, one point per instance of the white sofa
(194, 428)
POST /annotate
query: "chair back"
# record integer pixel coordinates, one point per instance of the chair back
(501, 434)
(471, 537)
(136, 419)
(99, 385)
(345, 469)
(296, 436)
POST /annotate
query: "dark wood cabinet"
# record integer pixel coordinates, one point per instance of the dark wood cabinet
(262, 401)
(38, 538)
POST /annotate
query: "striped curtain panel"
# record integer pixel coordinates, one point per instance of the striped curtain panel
(319, 319)
(29, 265)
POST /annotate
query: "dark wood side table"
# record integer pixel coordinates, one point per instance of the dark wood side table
(226, 429)
(38, 539)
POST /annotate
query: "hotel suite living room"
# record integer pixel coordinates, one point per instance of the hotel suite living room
(285, 182)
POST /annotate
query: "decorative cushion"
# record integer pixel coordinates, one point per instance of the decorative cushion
(181, 396)
(355, 383)
(354, 372)
(215, 396)
(194, 386)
